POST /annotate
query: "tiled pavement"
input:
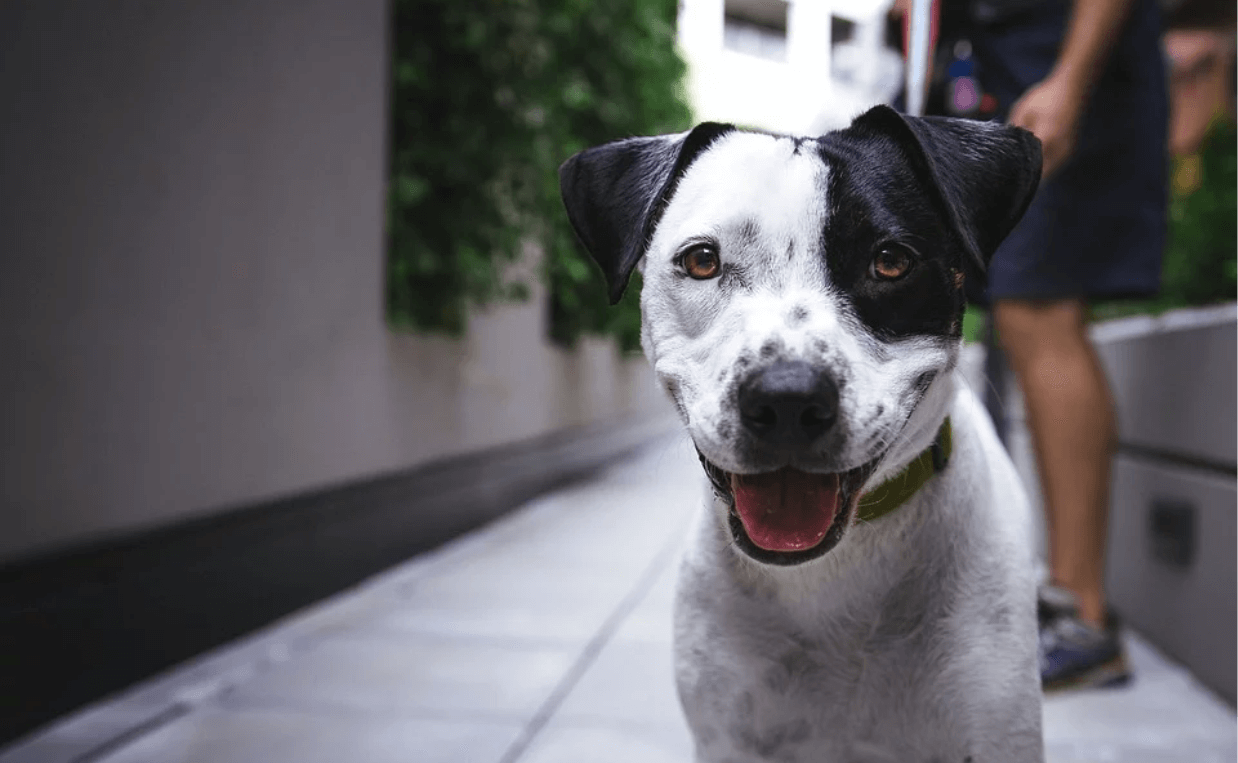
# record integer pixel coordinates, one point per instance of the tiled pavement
(544, 638)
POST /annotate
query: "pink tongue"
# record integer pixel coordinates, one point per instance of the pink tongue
(786, 510)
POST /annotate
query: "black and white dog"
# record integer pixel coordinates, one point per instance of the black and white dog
(860, 586)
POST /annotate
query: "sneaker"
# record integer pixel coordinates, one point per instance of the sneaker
(1053, 602)
(1073, 654)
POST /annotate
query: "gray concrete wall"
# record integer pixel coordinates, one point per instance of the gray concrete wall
(191, 249)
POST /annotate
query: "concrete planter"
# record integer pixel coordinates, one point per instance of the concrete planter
(1171, 561)
(1172, 530)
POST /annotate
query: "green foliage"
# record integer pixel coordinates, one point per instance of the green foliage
(1203, 232)
(489, 99)
(1200, 257)
(973, 324)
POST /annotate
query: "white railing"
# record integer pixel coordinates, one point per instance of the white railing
(918, 55)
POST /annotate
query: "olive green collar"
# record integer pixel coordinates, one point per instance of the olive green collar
(897, 490)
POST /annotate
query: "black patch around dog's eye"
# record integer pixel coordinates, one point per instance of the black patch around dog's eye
(955, 188)
(875, 204)
(891, 262)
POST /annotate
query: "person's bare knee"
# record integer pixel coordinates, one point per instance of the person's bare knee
(1027, 328)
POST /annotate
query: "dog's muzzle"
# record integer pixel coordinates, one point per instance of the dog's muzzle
(788, 516)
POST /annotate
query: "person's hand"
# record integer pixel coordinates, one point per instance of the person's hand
(1198, 58)
(1051, 110)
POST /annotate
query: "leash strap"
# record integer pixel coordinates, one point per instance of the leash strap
(897, 490)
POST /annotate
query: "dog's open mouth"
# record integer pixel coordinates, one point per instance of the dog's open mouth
(788, 516)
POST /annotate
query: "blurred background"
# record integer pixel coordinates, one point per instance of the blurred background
(287, 297)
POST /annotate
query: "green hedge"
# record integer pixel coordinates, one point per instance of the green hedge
(488, 99)
(1203, 227)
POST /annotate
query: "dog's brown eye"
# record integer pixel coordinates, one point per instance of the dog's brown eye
(701, 262)
(891, 262)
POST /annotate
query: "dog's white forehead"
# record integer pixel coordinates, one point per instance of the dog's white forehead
(747, 177)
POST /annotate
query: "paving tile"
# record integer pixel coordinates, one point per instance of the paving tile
(216, 736)
(72, 738)
(412, 673)
(550, 608)
(630, 682)
(602, 526)
(445, 658)
(651, 620)
(1163, 716)
(611, 548)
(1171, 751)
(564, 742)
(557, 583)
(550, 598)
(531, 579)
(609, 533)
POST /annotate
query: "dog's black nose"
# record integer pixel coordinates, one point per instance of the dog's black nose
(788, 404)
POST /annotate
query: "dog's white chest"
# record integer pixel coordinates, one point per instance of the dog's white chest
(760, 686)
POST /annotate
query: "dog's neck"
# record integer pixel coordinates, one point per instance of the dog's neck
(900, 488)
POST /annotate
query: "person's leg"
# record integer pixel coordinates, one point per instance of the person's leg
(1070, 415)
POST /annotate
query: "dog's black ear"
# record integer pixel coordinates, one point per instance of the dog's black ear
(985, 172)
(615, 194)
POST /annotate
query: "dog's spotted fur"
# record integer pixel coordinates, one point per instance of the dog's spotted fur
(909, 639)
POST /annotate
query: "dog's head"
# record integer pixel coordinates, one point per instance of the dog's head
(803, 297)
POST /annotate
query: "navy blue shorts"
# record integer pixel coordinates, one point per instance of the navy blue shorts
(1096, 229)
